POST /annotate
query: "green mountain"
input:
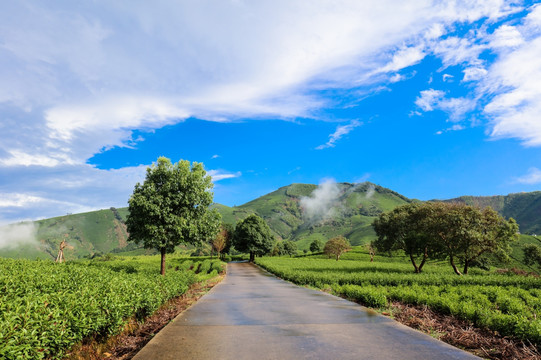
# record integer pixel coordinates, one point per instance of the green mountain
(90, 233)
(298, 212)
(525, 208)
(348, 211)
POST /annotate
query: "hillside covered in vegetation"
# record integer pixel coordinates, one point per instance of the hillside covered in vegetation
(297, 212)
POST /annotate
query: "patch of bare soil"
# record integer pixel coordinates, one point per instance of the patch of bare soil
(481, 342)
(137, 335)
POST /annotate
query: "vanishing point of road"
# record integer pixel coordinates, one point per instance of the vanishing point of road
(253, 315)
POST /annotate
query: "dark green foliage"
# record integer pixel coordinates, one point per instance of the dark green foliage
(316, 246)
(290, 248)
(532, 255)
(172, 207)
(405, 228)
(445, 230)
(253, 236)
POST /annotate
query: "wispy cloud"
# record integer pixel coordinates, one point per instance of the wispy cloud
(531, 178)
(340, 132)
(11, 236)
(322, 203)
(294, 170)
(431, 99)
(75, 83)
(218, 175)
(513, 82)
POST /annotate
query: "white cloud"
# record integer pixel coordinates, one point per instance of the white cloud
(531, 178)
(514, 85)
(456, 127)
(322, 203)
(431, 99)
(215, 156)
(396, 78)
(474, 73)
(218, 175)
(340, 132)
(447, 77)
(403, 58)
(506, 36)
(455, 51)
(11, 236)
(78, 79)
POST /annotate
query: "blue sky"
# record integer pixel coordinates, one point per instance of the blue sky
(432, 99)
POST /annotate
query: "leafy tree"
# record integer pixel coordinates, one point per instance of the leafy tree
(290, 248)
(532, 255)
(316, 246)
(336, 246)
(404, 228)
(492, 235)
(172, 207)
(278, 249)
(455, 231)
(221, 243)
(230, 231)
(466, 233)
(218, 243)
(253, 236)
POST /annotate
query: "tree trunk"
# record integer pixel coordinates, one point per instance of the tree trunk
(466, 265)
(425, 256)
(452, 261)
(414, 264)
(252, 257)
(162, 267)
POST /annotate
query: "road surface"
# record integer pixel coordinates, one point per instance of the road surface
(253, 315)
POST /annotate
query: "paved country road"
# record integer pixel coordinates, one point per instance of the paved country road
(254, 315)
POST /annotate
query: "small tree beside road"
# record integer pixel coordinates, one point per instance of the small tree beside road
(253, 236)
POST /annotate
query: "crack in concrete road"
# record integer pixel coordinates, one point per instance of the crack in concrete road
(254, 315)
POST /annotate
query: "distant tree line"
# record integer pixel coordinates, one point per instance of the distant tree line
(458, 232)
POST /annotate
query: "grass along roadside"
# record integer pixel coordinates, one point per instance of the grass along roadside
(47, 308)
(136, 335)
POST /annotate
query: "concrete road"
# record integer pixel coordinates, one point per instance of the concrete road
(254, 315)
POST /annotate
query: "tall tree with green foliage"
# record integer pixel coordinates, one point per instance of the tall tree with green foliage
(172, 207)
(404, 228)
(253, 236)
(467, 233)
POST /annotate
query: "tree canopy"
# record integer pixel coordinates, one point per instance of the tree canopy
(253, 236)
(455, 231)
(172, 207)
(336, 246)
(316, 246)
(404, 228)
(290, 248)
(532, 255)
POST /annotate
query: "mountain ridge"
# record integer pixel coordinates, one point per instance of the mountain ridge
(297, 212)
